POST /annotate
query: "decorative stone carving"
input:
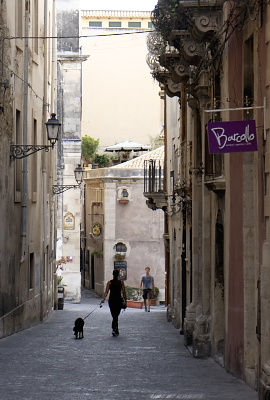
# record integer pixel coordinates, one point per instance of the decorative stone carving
(191, 51)
(171, 88)
(204, 28)
(180, 71)
(177, 66)
(203, 21)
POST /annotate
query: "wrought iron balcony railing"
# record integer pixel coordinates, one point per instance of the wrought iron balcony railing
(153, 176)
(154, 189)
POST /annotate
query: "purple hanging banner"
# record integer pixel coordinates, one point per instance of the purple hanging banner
(232, 136)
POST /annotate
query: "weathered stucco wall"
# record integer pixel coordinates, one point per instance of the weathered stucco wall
(131, 223)
(118, 89)
(27, 234)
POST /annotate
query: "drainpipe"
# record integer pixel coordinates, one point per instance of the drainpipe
(25, 136)
(166, 225)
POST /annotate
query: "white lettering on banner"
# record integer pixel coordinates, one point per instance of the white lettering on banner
(223, 139)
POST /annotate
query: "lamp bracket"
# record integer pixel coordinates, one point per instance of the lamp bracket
(57, 189)
(18, 151)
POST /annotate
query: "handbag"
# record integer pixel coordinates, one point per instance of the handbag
(123, 303)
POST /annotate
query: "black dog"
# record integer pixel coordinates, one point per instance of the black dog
(78, 328)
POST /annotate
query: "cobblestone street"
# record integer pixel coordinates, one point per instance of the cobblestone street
(147, 361)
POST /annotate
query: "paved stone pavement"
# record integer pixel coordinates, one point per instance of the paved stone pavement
(147, 361)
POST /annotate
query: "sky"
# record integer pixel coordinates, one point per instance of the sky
(127, 5)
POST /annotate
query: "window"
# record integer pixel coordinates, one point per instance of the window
(34, 161)
(19, 18)
(134, 24)
(150, 25)
(120, 247)
(95, 24)
(124, 193)
(115, 24)
(18, 166)
(31, 271)
(35, 25)
(249, 76)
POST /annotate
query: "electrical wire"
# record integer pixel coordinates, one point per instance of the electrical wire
(79, 36)
(59, 38)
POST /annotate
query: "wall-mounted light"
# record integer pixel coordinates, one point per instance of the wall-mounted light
(78, 172)
(18, 151)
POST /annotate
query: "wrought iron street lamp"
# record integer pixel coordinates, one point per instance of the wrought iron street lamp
(18, 151)
(78, 172)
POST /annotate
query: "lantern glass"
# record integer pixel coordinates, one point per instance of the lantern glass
(53, 129)
(78, 172)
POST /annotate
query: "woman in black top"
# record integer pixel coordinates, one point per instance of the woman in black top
(115, 287)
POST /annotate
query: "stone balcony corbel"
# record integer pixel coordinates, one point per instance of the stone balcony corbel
(202, 21)
(176, 65)
(192, 52)
(171, 88)
(181, 72)
(156, 200)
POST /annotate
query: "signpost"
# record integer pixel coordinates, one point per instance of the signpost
(122, 267)
(232, 136)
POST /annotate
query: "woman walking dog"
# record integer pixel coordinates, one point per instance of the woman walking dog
(117, 289)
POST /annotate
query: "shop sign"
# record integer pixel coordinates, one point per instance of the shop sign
(232, 136)
(69, 221)
(122, 267)
(96, 230)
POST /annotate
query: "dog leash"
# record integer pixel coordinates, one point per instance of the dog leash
(100, 305)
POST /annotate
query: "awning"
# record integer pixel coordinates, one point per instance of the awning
(128, 146)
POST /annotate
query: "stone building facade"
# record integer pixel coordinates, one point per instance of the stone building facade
(27, 99)
(69, 105)
(116, 43)
(119, 229)
(211, 62)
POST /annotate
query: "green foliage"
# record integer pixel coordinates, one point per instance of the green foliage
(89, 148)
(164, 17)
(59, 280)
(102, 160)
(134, 293)
(97, 253)
(156, 141)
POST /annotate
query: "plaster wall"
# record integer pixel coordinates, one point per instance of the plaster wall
(27, 234)
(132, 224)
(69, 148)
(120, 98)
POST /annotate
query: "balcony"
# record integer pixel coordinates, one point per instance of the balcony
(154, 189)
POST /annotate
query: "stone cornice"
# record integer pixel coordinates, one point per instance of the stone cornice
(72, 58)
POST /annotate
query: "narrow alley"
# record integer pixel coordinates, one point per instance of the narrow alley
(147, 361)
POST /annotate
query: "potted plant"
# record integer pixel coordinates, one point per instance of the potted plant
(134, 297)
(120, 255)
(155, 297)
(98, 253)
(89, 149)
(60, 285)
(90, 156)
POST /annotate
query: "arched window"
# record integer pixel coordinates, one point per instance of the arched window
(120, 248)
